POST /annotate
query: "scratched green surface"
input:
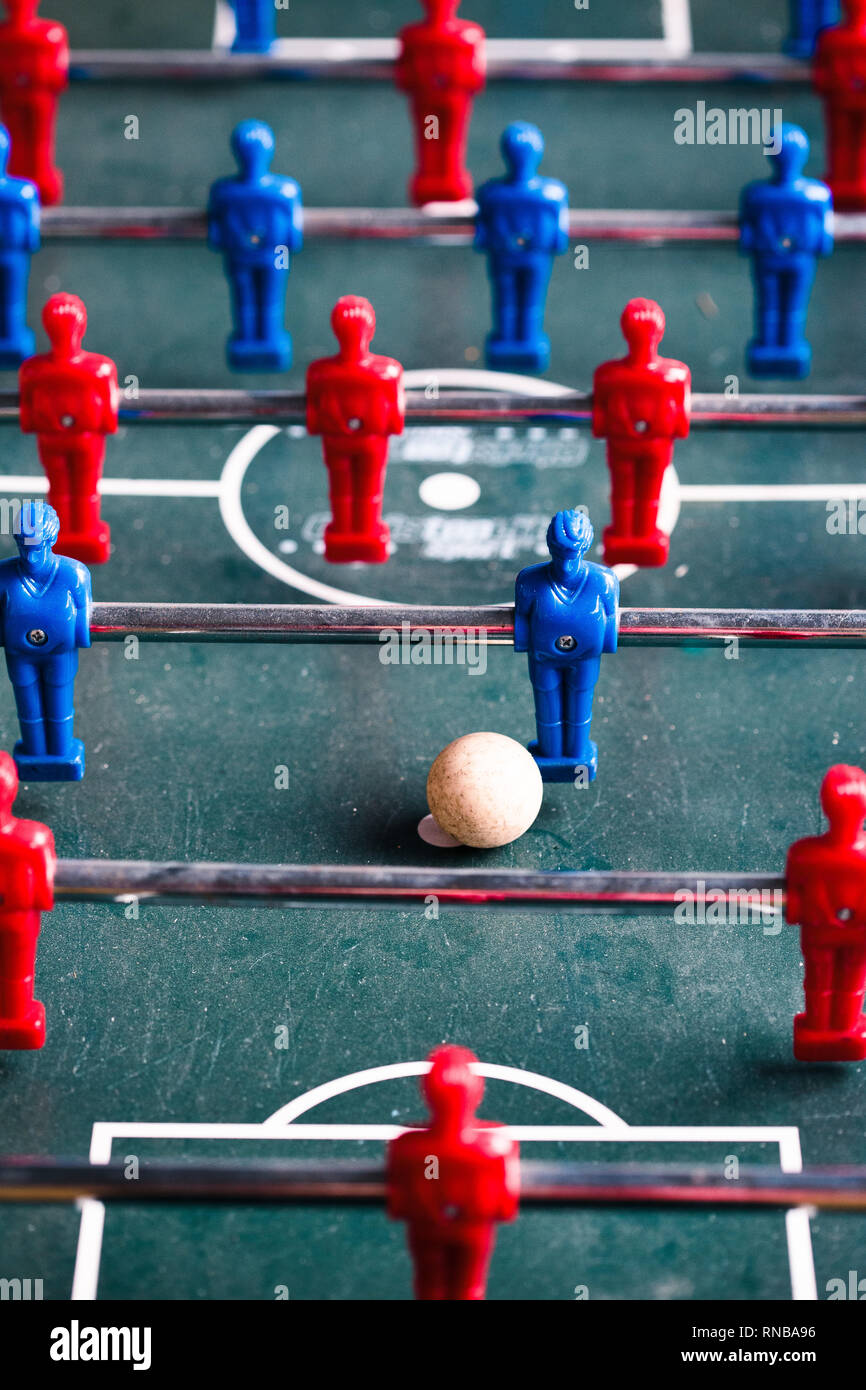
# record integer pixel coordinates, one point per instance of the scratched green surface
(705, 763)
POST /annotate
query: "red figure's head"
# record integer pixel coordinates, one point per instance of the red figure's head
(65, 321)
(843, 798)
(354, 323)
(855, 13)
(643, 327)
(22, 12)
(8, 787)
(452, 1088)
(440, 11)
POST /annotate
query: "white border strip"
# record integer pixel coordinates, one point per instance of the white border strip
(611, 1128)
(676, 42)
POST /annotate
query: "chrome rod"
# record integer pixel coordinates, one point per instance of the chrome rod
(563, 1183)
(750, 898)
(439, 226)
(494, 625)
(443, 405)
(544, 60)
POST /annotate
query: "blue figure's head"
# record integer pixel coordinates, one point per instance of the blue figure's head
(253, 148)
(36, 530)
(522, 146)
(5, 149)
(569, 537)
(789, 153)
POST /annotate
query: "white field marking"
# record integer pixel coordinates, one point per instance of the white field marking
(470, 379)
(247, 448)
(677, 27)
(676, 41)
(224, 27)
(554, 50)
(668, 515)
(804, 1286)
(687, 492)
(232, 512)
(449, 492)
(373, 1075)
(91, 1229)
(770, 492)
(123, 487)
(89, 1252)
(105, 1132)
(611, 1128)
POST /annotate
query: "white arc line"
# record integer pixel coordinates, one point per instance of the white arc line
(372, 1076)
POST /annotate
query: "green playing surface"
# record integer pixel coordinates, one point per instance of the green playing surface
(219, 1018)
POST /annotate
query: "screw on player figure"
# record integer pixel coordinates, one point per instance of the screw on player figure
(44, 618)
(255, 219)
(355, 401)
(522, 223)
(19, 238)
(826, 895)
(34, 70)
(70, 399)
(565, 617)
(641, 405)
(27, 863)
(808, 18)
(451, 1181)
(255, 25)
(786, 223)
(839, 75)
(442, 66)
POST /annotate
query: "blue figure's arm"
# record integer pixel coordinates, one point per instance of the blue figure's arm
(34, 213)
(82, 598)
(215, 213)
(828, 228)
(747, 224)
(482, 240)
(296, 203)
(562, 239)
(524, 594)
(610, 601)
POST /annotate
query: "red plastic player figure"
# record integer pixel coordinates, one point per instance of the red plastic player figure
(641, 404)
(70, 400)
(355, 401)
(27, 862)
(826, 886)
(442, 66)
(452, 1181)
(840, 77)
(34, 70)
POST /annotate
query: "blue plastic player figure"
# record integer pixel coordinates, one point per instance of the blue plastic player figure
(44, 618)
(522, 223)
(808, 18)
(565, 618)
(19, 238)
(255, 219)
(786, 223)
(255, 25)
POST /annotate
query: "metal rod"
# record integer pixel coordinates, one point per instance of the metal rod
(440, 227)
(455, 627)
(521, 60)
(749, 898)
(447, 405)
(359, 1183)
